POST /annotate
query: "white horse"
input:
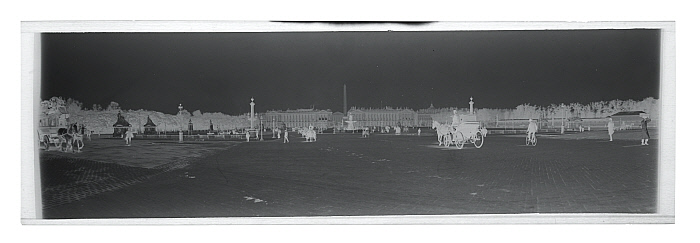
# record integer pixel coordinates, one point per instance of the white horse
(365, 132)
(397, 130)
(309, 134)
(444, 133)
(276, 131)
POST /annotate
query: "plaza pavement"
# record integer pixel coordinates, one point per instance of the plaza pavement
(346, 175)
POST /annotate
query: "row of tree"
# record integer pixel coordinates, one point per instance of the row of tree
(101, 120)
(599, 109)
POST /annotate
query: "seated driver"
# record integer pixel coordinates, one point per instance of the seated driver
(531, 129)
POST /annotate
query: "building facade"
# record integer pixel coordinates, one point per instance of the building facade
(383, 117)
(321, 119)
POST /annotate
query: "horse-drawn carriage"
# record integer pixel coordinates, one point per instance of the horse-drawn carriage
(55, 132)
(466, 129)
(308, 133)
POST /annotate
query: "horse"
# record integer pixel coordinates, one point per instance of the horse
(310, 135)
(65, 140)
(276, 131)
(365, 132)
(444, 133)
(397, 130)
(77, 137)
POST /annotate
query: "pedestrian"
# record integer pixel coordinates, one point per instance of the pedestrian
(286, 136)
(127, 136)
(418, 131)
(645, 129)
(611, 128)
(247, 136)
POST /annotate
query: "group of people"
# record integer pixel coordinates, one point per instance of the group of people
(286, 136)
(644, 124)
(532, 128)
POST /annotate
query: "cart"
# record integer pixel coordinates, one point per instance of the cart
(469, 130)
(49, 125)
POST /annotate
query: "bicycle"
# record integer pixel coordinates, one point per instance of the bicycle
(531, 140)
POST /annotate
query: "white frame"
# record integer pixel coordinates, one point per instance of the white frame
(31, 80)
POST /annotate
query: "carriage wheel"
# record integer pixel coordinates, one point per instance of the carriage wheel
(46, 143)
(479, 140)
(460, 140)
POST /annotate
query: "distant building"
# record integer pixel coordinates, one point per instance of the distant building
(383, 117)
(424, 116)
(337, 119)
(149, 127)
(299, 118)
(121, 126)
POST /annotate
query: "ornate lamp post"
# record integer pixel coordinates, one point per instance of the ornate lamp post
(261, 127)
(179, 115)
(252, 112)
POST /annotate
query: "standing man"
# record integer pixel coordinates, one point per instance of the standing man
(286, 136)
(645, 129)
(418, 131)
(611, 128)
(247, 136)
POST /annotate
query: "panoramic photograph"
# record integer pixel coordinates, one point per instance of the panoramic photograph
(348, 123)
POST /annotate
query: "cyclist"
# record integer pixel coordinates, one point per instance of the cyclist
(531, 129)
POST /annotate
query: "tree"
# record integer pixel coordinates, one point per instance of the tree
(113, 106)
(73, 106)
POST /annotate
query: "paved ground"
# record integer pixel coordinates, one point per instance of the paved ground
(349, 175)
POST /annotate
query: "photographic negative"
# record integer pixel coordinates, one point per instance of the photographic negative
(409, 122)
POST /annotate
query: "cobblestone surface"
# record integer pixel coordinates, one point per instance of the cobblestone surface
(70, 177)
(391, 175)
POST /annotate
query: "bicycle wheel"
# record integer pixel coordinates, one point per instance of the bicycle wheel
(534, 140)
(527, 140)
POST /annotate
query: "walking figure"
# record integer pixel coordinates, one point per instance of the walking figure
(611, 128)
(128, 136)
(286, 136)
(418, 131)
(645, 129)
(247, 136)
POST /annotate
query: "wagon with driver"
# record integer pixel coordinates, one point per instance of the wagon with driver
(49, 125)
(469, 130)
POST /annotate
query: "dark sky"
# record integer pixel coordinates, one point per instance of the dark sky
(219, 72)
